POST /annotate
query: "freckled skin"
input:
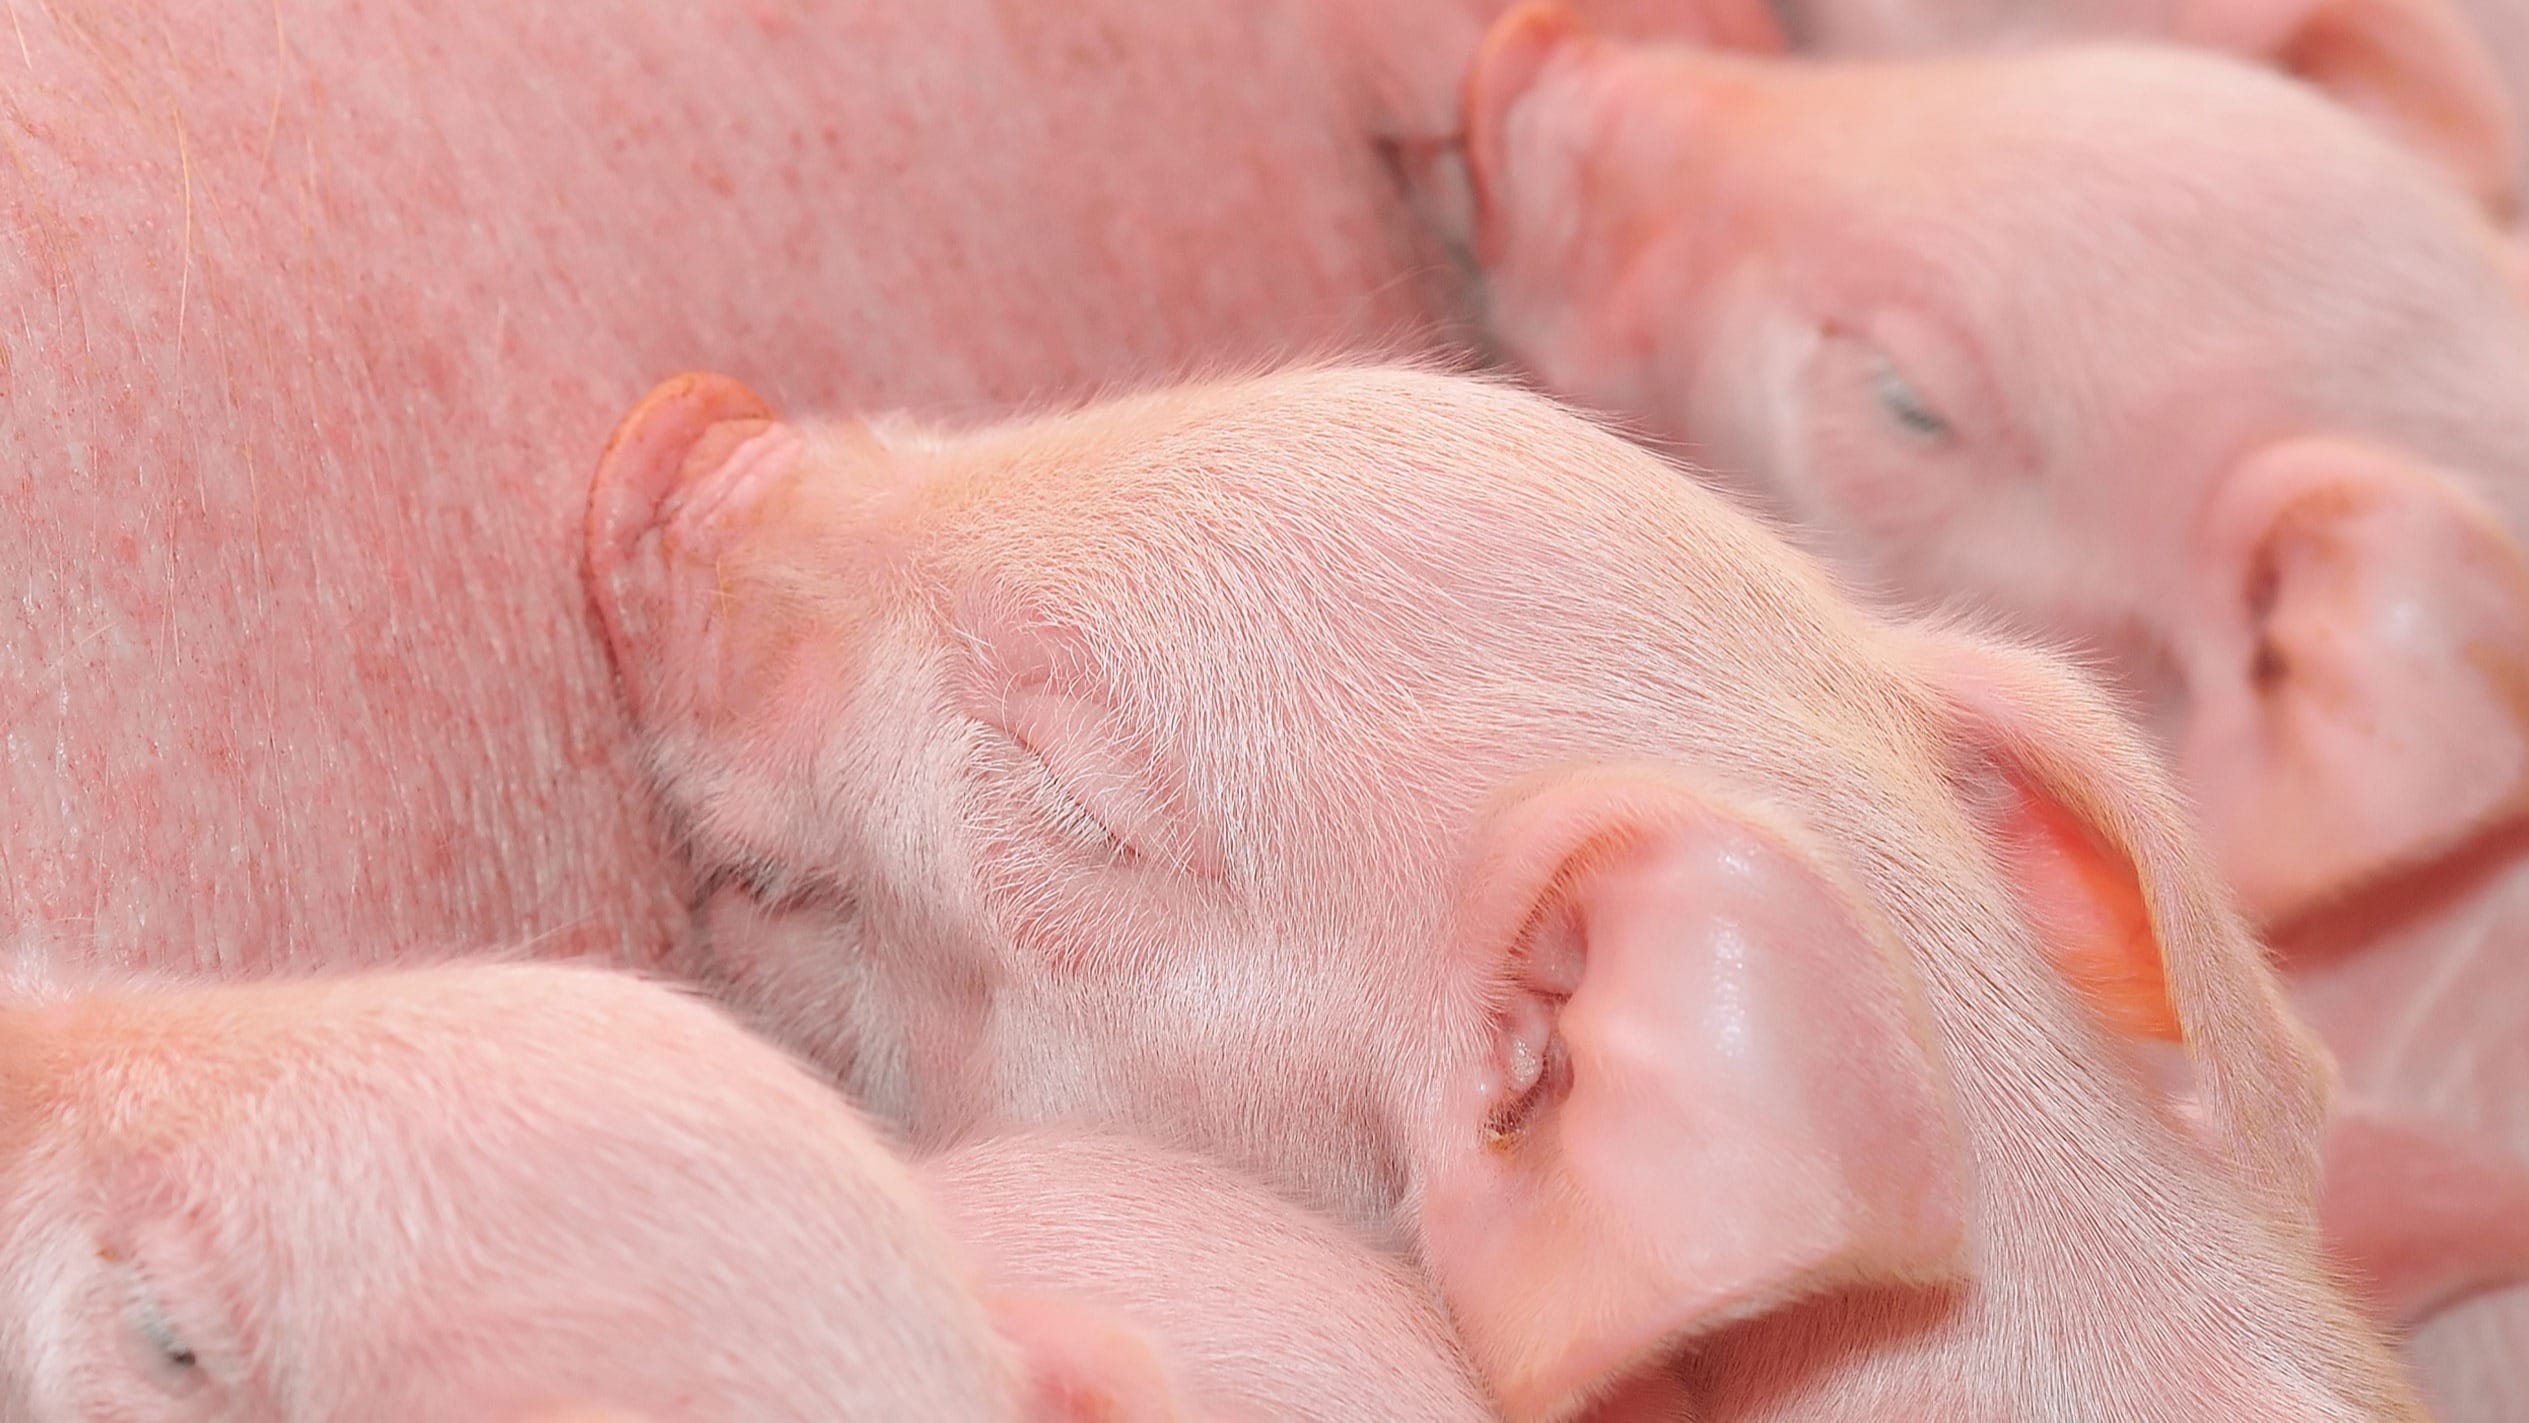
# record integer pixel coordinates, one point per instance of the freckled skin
(310, 318)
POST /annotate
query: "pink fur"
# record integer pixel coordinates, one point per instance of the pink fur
(1347, 626)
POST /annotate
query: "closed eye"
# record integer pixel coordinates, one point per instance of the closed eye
(1091, 774)
(1904, 403)
(168, 1356)
(1068, 814)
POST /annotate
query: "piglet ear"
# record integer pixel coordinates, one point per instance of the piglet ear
(2359, 686)
(1713, 1089)
(2422, 1214)
(2098, 856)
(1082, 1365)
(2415, 67)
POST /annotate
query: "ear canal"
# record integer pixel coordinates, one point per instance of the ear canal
(2264, 1080)
(2358, 677)
(1740, 1102)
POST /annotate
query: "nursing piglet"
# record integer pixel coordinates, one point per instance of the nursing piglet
(2151, 354)
(1431, 804)
(2134, 347)
(1266, 1311)
(488, 1192)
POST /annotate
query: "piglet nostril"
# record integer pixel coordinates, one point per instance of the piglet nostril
(640, 483)
(645, 458)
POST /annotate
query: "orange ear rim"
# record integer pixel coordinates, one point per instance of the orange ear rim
(1507, 62)
(2099, 931)
(2264, 1078)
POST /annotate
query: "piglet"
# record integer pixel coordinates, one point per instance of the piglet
(1430, 804)
(483, 1192)
(2153, 354)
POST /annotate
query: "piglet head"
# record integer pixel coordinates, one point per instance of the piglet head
(1665, 1010)
(1432, 805)
(1844, 286)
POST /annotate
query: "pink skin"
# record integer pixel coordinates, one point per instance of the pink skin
(482, 1192)
(2443, 77)
(1408, 793)
(2296, 552)
(1264, 1311)
(310, 315)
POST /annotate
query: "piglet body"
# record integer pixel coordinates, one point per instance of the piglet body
(482, 1192)
(1265, 1310)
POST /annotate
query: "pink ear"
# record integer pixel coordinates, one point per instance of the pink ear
(1714, 1090)
(2415, 67)
(2423, 1214)
(2360, 680)
(1514, 52)
(1083, 1366)
(2129, 886)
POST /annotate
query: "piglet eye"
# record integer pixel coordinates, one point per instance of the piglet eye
(159, 1333)
(1904, 403)
(162, 1344)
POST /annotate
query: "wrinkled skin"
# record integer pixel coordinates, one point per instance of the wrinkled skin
(2255, 452)
(479, 1192)
(1430, 803)
(1265, 1311)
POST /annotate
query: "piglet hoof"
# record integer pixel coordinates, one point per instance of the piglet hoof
(677, 477)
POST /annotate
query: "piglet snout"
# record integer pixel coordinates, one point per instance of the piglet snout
(676, 481)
